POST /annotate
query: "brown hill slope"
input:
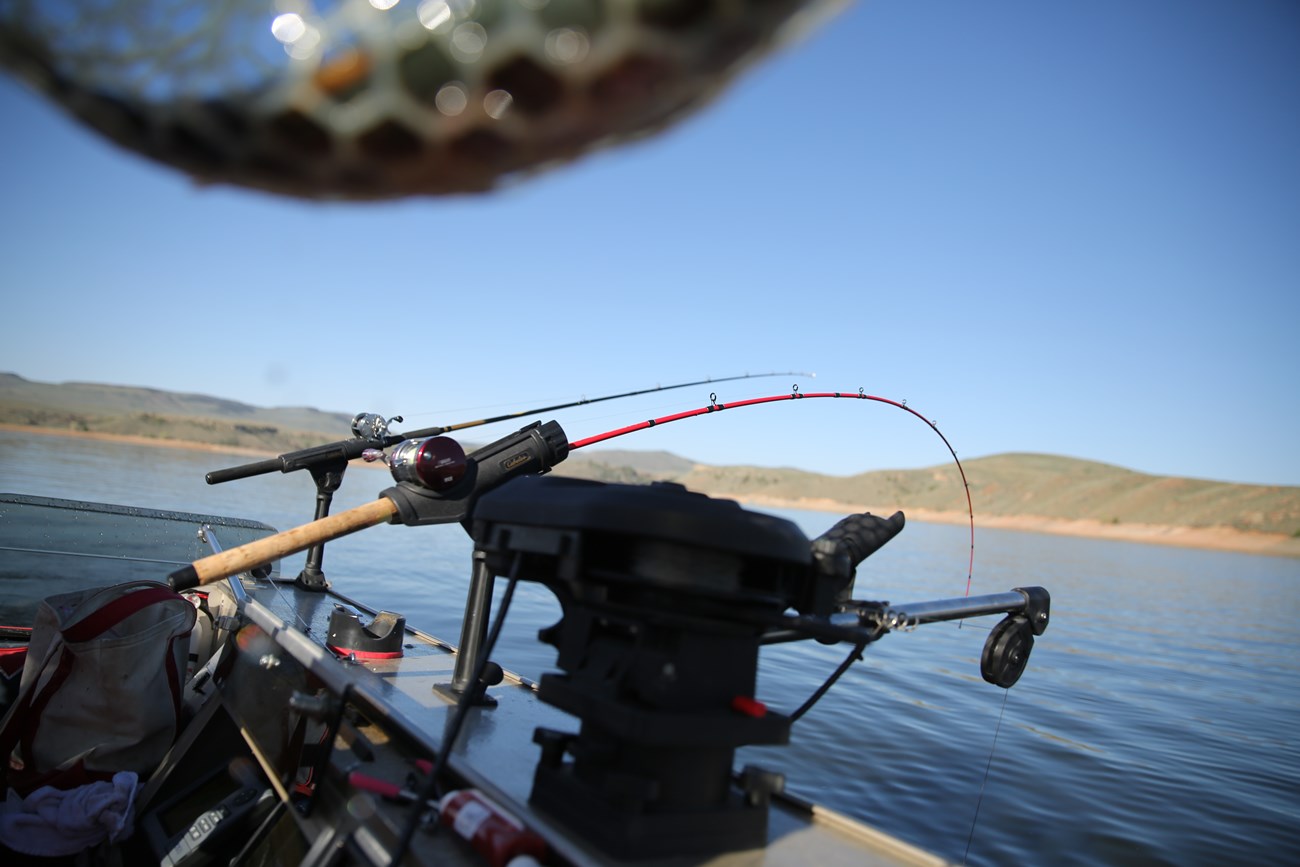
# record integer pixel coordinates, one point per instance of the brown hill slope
(1037, 491)
(1046, 486)
(153, 414)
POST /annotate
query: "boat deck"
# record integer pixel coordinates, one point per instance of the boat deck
(265, 707)
(495, 751)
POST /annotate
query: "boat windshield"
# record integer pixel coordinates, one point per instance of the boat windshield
(50, 546)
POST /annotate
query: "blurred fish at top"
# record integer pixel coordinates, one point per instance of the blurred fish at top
(379, 99)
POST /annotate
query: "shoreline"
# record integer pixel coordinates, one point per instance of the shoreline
(1205, 538)
(135, 440)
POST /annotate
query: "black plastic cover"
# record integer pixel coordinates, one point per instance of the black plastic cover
(381, 637)
(664, 510)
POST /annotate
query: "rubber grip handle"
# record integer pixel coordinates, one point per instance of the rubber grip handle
(245, 557)
(257, 468)
(860, 536)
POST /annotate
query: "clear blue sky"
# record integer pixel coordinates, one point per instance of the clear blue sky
(1054, 227)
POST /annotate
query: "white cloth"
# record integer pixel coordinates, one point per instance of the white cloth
(55, 822)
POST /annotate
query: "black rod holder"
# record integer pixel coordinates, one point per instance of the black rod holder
(328, 476)
(474, 629)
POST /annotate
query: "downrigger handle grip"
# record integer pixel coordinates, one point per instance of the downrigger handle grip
(837, 553)
(860, 536)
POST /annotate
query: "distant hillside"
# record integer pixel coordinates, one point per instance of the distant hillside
(1009, 485)
(1046, 486)
(630, 467)
(148, 412)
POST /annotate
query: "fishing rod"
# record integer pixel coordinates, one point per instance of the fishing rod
(370, 431)
(438, 482)
(584, 401)
(327, 463)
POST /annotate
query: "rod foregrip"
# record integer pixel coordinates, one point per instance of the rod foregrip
(245, 557)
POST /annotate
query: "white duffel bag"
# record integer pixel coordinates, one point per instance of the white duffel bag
(101, 686)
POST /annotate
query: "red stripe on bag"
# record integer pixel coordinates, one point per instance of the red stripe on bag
(33, 721)
(118, 610)
(22, 736)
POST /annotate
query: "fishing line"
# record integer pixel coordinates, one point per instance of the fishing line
(285, 602)
(448, 410)
(980, 799)
(795, 394)
(585, 400)
(578, 417)
(436, 431)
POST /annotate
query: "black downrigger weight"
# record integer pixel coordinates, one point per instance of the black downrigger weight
(667, 597)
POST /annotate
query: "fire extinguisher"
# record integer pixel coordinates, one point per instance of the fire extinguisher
(492, 831)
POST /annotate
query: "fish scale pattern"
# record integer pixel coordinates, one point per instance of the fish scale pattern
(374, 99)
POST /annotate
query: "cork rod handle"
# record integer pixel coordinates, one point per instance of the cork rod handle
(245, 557)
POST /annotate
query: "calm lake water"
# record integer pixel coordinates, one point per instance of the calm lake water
(1158, 721)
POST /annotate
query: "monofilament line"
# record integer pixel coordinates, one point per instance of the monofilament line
(980, 800)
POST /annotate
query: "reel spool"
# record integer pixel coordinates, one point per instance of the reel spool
(1006, 652)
